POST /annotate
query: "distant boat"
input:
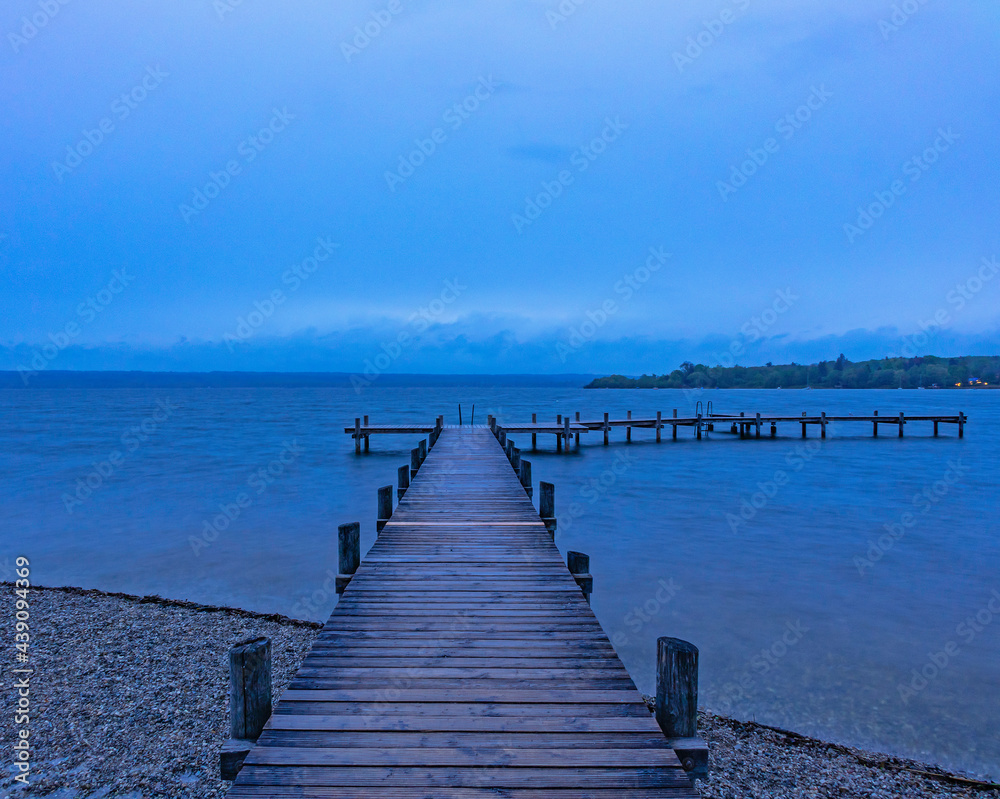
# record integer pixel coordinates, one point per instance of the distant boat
(807, 388)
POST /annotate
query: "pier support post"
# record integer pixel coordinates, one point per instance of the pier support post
(606, 428)
(547, 506)
(576, 436)
(384, 507)
(422, 447)
(403, 478)
(822, 425)
(579, 567)
(502, 438)
(659, 425)
(366, 437)
(525, 474)
(673, 433)
(348, 553)
(515, 459)
(566, 431)
(774, 429)
(534, 436)
(677, 703)
(414, 462)
(357, 435)
(758, 425)
(559, 435)
(699, 426)
(961, 424)
(875, 426)
(935, 428)
(902, 421)
(249, 702)
(743, 427)
(803, 425)
(628, 429)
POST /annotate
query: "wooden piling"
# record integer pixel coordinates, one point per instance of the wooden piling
(384, 507)
(699, 426)
(559, 435)
(403, 478)
(357, 435)
(460, 414)
(758, 425)
(607, 428)
(525, 475)
(566, 431)
(366, 437)
(249, 702)
(673, 433)
(803, 426)
(676, 707)
(534, 436)
(822, 425)
(414, 462)
(961, 424)
(659, 425)
(348, 553)
(743, 428)
(875, 426)
(774, 429)
(628, 428)
(547, 506)
(935, 428)
(515, 459)
(901, 423)
(422, 447)
(576, 436)
(579, 567)
(502, 438)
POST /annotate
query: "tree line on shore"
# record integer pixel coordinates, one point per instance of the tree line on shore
(925, 372)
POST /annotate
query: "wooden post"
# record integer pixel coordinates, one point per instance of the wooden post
(699, 426)
(673, 433)
(547, 506)
(559, 435)
(659, 425)
(576, 436)
(357, 435)
(566, 431)
(366, 437)
(743, 429)
(961, 424)
(503, 438)
(403, 478)
(935, 428)
(460, 414)
(628, 429)
(348, 553)
(422, 447)
(515, 459)
(534, 436)
(875, 426)
(901, 423)
(758, 425)
(414, 462)
(384, 507)
(525, 475)
(822, 424)
(606, 428)
(249, 702)
(803, 426)
(677, 703)
(472, 419)
(774, 429)
(579, 567)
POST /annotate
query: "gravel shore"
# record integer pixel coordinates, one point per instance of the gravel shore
(129, 699)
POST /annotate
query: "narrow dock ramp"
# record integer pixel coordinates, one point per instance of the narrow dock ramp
(463, 662)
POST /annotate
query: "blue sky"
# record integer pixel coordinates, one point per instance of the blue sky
(495, 187)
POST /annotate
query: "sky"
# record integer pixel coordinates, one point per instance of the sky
(497, 187)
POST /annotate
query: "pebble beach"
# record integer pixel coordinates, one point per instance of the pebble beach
(129, 699)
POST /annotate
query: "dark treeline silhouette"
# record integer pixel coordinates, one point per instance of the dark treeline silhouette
(927, 372)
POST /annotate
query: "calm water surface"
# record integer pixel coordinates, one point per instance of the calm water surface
(809, 614)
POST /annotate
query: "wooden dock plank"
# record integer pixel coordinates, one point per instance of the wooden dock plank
(462, 661)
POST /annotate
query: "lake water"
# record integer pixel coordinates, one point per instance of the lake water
(808, 612)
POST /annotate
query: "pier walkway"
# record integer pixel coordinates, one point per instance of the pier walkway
(463, 661)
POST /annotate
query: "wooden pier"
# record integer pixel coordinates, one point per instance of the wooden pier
(703, 421)
(463, 659)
